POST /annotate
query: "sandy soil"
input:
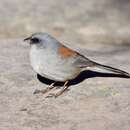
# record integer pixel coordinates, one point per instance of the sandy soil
(99, 29)
(96, 103)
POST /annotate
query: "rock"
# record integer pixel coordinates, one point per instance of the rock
(95, 103)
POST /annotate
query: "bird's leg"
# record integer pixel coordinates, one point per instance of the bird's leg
(60, 92)
(45, 90)
(65, 87)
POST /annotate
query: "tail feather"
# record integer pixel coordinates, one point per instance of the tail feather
(114, 70)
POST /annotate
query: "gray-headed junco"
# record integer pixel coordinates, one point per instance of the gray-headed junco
(53, 60)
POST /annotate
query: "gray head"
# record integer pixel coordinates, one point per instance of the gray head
(41, 39)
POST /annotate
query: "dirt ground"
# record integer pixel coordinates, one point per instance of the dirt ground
(99, 29)
(95, 103)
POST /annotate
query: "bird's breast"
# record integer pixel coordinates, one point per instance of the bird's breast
(51, 66)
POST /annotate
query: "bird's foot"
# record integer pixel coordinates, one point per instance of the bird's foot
(37, 91)
(44, 90)
(52, 95)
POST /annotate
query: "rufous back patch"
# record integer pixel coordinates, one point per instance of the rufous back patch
(65, 52)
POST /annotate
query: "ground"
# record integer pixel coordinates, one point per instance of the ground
(95, 103)
(100, 30)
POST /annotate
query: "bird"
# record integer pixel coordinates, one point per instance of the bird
(52, 59)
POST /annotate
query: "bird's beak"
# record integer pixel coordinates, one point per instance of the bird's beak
(27, 39)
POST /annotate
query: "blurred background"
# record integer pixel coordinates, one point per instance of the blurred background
(80, 21)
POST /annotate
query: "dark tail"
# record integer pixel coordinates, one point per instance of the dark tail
(116, 71)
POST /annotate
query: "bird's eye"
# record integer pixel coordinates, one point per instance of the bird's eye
(35, 40)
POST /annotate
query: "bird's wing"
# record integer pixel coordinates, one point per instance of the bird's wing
(78, 59)
(83, 62)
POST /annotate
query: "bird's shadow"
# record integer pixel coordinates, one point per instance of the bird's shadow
(81, 77)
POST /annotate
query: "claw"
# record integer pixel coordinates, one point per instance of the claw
(51, 95)
(44, 90)
(37, 91)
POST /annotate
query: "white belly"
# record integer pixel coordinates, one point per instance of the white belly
(46, 65)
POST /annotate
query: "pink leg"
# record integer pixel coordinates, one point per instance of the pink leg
(44, 90)
(60, 92)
